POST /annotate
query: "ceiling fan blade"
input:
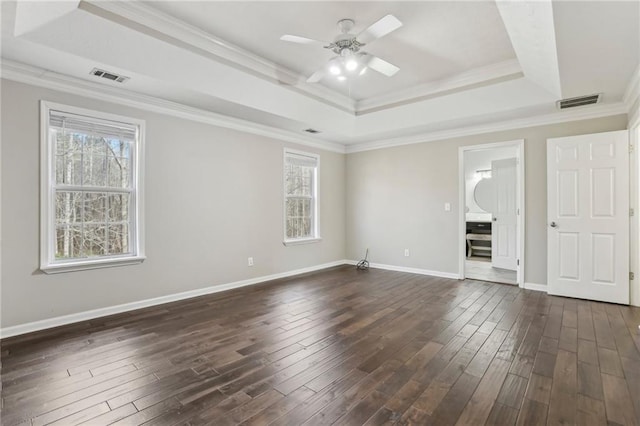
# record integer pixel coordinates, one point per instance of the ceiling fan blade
(302, 40)
(316, 76)
(379, 29)
(382, 66)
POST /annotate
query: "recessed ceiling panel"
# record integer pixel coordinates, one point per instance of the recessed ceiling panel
(437, 39)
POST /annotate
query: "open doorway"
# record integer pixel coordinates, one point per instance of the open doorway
(491, 218)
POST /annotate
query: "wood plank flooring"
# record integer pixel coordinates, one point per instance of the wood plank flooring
(340, 346)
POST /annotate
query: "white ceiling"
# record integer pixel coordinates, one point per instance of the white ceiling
(462, 63)
(438, 39)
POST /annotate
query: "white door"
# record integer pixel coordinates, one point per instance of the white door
(588, 216)
(504, 227)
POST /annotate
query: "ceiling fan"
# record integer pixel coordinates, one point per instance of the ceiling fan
(351, 61)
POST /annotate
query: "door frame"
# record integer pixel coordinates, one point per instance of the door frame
(634, 203)
(520, 197)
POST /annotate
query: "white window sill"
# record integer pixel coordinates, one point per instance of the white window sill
(301, 241)
(61, 267)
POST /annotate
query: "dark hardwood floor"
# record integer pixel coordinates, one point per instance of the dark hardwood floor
(339, 346)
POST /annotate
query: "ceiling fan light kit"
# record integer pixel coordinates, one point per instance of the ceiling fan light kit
(350, 62)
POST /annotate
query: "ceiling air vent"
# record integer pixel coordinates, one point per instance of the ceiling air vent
(313, 131)
(579, 101)
(109, 75)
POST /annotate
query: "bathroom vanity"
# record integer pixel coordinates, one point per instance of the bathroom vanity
(478, 238)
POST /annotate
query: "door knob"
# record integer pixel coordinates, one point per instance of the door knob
(553, 225)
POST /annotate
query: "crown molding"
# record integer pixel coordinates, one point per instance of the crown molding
(632, 92)
(498, 126)
(476, 77)
(23, 73)
(145, 18)
(631, 98)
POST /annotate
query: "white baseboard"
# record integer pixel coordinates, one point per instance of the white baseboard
(419, 271)
(102, 312)
(536, 287)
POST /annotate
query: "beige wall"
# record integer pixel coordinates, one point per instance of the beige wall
(213, 198)
(396, 197)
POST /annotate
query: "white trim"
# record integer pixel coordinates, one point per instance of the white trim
(605, 110)
(473, 78)
(57, 268)
(632, 91)
(48, 263)
(418, 271)
(634, 221)
(520, 198)
(452, 275)
(535, 287)
(634, 120)
(301, 241)
(631, 98)
(126, 307)
(35, 76)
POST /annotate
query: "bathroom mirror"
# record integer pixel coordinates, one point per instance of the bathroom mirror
(484, 194)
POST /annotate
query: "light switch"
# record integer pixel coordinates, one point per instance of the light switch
(447, 207)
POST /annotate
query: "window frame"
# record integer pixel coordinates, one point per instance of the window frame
(315, 203)
(48, 263)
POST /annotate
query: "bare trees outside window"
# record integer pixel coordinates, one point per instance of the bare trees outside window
(93, 175)
(92, 187)
(300, 175)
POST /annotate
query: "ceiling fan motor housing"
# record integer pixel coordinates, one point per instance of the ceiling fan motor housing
(345, 42)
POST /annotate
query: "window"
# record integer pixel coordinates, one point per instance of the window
(91, 189)
(300, 197)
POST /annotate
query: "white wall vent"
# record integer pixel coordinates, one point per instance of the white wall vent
(109, 75)
(578, 101)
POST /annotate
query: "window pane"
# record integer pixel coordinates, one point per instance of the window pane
(306, 181)
(119, 172)
(95, 169)
(306, 226)
(68, 242)
(119, 207)
(298, 180)
(291, 228)
(69, 168)
(62, 141)
(94, 240)
(68, 207)
(119, 148)
(288, 179)
(118, 239)
(299, 218)
(94, 145)
(95, 207)
(67, 142)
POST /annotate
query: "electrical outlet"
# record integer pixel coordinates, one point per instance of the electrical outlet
(406, 252)
(250, 261)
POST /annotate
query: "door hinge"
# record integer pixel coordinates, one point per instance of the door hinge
(518, 262)
(632, 276)
(631, 212)
(518, 212)
(630, 148)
